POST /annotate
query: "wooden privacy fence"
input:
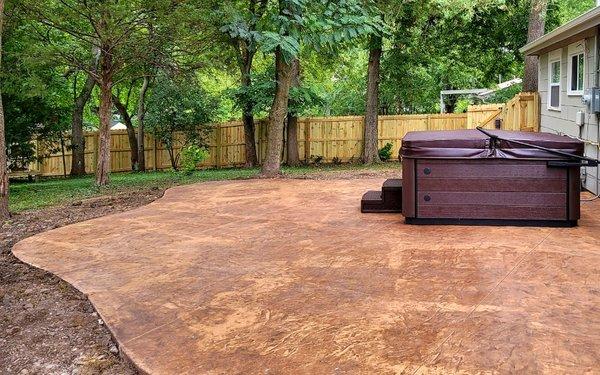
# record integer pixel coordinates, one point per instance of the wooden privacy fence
(326, 138)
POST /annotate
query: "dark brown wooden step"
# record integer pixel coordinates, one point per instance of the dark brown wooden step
(392, 194)
(392, 184)
(372, 196)
(373, 201)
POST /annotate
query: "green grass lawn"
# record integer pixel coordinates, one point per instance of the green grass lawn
(50, 192)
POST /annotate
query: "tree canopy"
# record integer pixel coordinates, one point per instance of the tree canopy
(228, 48)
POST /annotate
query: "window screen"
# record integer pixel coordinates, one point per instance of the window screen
(580, 72)
(555, 96)
(576, 72)
(554, 101)
(555, 75)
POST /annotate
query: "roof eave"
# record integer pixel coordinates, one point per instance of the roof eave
(579, 25)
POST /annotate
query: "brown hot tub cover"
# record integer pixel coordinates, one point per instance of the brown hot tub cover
(460, 144)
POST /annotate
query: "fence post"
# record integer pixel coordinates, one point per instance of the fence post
(38, 168)
(257, 126)
(155, 153)
(307, 141)
(96, 146)
(218, 150)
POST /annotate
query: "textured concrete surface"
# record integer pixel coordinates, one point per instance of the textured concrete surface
(287, 276)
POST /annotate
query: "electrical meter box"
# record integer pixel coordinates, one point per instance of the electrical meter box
(595, 100)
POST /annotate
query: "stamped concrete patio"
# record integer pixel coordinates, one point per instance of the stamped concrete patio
(287, 276)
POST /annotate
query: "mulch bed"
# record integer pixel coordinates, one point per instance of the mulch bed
(46, 325)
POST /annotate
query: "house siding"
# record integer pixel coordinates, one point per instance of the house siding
(563, 121)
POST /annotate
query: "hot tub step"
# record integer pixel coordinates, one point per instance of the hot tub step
(388, 200)
(392, 194)
(392, 184)
(372, 201)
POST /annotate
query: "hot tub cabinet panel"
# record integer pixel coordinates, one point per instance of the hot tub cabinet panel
(480, 184)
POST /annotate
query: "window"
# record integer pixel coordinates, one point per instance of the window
(554, 80)
(576, 68)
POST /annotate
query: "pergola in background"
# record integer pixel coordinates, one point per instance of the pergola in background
(480, 93)
(473, 92)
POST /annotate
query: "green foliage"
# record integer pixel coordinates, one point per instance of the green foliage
(429, 45)
(317, 159)
(28, 119)
(502, 96)
(450, 45)
(462, 104)
(36, 94)
(191, 157)
(385, 153)
(303, 100)
(260, 93)
(322, 25)
(179, 105)
(563, 11)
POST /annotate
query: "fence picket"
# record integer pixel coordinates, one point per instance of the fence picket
(327, 137)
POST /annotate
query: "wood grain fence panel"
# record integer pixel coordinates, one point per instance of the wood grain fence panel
(327, 137)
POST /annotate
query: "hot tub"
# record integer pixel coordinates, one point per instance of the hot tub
(491, 177)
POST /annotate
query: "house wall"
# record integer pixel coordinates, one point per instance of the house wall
(563, 120)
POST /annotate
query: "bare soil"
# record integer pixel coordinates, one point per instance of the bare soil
(46, 325)
(49, 327)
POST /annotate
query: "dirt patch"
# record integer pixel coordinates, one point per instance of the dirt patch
(46, 325)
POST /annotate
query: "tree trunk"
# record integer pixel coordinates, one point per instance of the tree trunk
(172, 157)
(370, 149)
(4, 213)
(537, 20)
(141, 114)
(103, 167)
(293, 158)
(133, 143)
(248, 107)
(272, 163)
(77, 138)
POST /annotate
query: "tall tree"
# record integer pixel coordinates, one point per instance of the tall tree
(243, 35)
(123, 109)
(114, 27)
(141, 116)
(323, 25)
(81, 99)
(370, 148)
(4, 212)
(279, 109)
(293, 159)
(537, 19)
(288, 10)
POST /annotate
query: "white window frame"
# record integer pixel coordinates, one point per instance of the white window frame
(575, 50)
(554, 56)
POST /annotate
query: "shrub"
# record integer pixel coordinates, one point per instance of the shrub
(317, 159)
(179, 111)
(385, 153)
(191, 156)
